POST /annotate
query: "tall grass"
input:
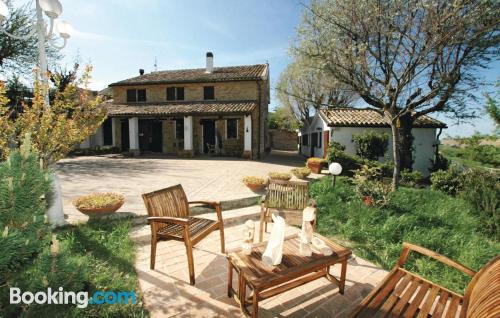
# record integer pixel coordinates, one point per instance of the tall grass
(425, 217)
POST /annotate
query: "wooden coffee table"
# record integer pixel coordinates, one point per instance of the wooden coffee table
(294, 270)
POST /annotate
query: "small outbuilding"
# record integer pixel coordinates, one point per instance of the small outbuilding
(340, 124)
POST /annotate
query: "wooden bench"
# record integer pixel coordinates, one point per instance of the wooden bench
(405, 294)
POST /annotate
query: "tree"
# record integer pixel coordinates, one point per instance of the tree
(21, 56)
(493, 109)
(302, 89)
(73, 116)
(283, 119)
(406, 59)
(17, 93)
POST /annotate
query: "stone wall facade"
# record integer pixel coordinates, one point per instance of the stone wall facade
(283, 140)
(245, 90)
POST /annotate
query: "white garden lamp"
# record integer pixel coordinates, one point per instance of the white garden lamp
(52, 9)
(335, 169)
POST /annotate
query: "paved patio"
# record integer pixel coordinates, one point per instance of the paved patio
(167, 293)
(202, 178)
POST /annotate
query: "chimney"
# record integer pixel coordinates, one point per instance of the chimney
(210, 63)
(141, 71)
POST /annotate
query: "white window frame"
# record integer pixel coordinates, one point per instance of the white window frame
(237, 128)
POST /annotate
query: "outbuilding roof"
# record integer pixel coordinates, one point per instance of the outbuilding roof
(199, 75)
(179, 108)
(366, 117)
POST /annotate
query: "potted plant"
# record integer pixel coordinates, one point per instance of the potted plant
(285, 176)
(255, 184)
(99, 204)
(315, 164)
(301, 173)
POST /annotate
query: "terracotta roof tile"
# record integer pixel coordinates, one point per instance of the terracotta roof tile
(220, 74)
(362, 117)
(182, 108)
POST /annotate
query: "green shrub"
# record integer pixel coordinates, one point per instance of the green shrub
(440, 162)
(411, 178)
(425, 217)
(368, 183)
(348, 162)
(24, 185)
(449, 181)
(481, 189)
(371, 145)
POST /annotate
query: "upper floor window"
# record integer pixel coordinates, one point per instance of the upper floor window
(208, 92)
(232, 128)
(175, 93)
(136, 95)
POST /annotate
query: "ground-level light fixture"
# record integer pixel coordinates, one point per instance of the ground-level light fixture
(335, 169)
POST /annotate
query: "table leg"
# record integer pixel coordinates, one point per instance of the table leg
(255, 304)
(342, 276)
(229, 279)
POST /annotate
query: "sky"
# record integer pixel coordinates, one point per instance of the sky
(118, 37)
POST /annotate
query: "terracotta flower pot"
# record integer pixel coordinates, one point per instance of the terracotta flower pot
(96, 212)
(368, 200)
(315, 167)
(255, 187)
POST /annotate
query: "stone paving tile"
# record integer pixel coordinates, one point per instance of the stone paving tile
(167, 293)
(202, 178)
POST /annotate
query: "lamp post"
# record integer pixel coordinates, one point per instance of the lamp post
(52, 9)
(335, 169)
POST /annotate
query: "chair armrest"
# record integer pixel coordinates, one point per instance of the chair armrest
(214, 204)
(407, 247)
(168, 219)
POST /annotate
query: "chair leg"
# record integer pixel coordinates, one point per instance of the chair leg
(261, 227)
(189, 252)
(265, 227)
(222, 242)
(153, 252)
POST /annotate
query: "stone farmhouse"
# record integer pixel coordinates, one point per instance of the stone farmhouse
(189, 112)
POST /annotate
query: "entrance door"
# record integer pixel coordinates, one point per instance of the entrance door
(125, 135)
(150, 135)
(314, 142)
(208, 134)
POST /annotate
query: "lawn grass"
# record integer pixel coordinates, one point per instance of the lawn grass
(421, 216)
(97, 256)
(460, 156)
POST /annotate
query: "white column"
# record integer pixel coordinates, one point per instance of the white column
(133, 130)
(248, 133)
(188, 133)
(114, 130)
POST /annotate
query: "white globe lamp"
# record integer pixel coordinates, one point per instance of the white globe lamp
(335, 169)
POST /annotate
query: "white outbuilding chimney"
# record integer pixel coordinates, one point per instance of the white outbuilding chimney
(210, 63)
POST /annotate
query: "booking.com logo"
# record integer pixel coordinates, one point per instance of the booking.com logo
(80, 299)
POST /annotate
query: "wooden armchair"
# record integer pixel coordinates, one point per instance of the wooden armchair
(288, 199)
(170, 219)
(405, 294)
